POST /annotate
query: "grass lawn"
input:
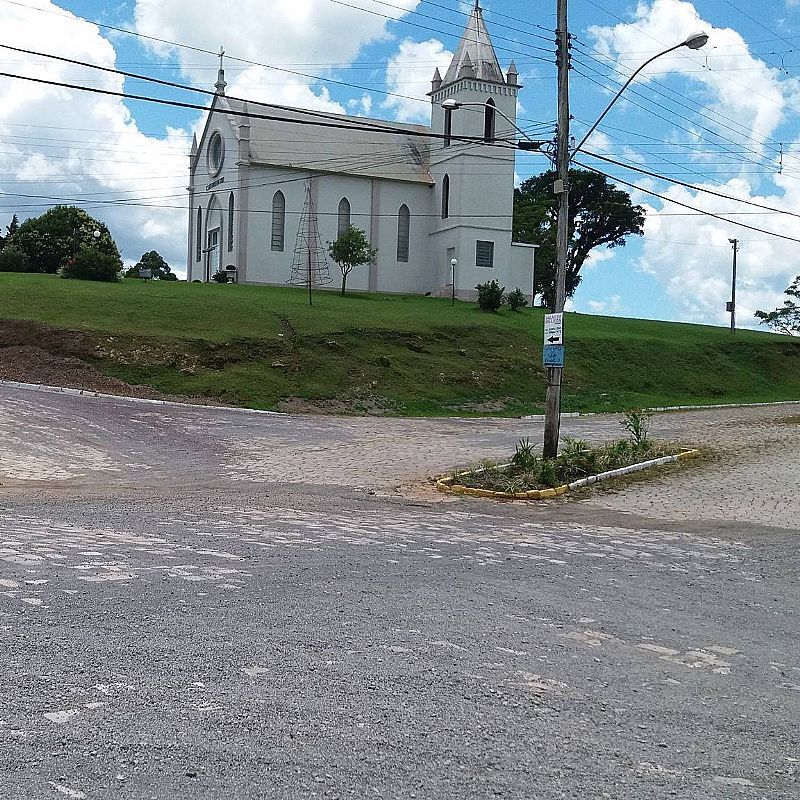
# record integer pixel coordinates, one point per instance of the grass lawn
(258, 346)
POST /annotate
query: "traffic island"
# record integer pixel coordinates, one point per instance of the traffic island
(529, 477)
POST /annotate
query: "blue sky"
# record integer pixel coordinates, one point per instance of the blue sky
(726, 118)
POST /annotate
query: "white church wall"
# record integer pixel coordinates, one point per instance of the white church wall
(265, 265)
(416, 274)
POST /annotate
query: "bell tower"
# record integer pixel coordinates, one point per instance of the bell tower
(475, 175)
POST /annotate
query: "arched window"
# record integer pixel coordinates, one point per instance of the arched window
(403, 232)
(344, 217)
(198, 245)
(448, 126)
(488, 121)
(230, 223)
(278, 220)
(445, 197)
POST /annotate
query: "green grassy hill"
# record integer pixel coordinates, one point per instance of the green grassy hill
(265, 348)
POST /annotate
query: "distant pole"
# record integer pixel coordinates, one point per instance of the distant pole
(453, 265)
(732, 308)
(552, 408)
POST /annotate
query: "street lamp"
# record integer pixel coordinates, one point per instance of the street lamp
(552, 411)
(693, 42)
(453, 265)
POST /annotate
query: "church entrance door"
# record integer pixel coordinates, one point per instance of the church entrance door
(212, 254)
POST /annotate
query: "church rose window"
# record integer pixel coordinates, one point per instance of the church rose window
(216, 153)
(484, 254)
(344, 217)
(230, 223)
(278, 220)
(445, 197)
(403, 232)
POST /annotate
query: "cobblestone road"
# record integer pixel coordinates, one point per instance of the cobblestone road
(56, 439)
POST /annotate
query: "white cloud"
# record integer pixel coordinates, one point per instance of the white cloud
(742, 87)
(301, 37)
(61, 145)
(690, 255)
(610, 306)
(409, 73)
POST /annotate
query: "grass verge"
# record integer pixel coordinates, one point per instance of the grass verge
(264, 347)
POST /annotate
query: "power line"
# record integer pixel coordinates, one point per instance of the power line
(686, 205)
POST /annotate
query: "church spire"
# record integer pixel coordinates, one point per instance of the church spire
(220, 84)
(476, 52)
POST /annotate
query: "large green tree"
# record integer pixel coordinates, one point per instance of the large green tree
(785, 318)
(154, 261)
(600, 215)
(54, 239)
(11, 229)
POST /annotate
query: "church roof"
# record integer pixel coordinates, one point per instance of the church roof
(297, 141)
(475, 56)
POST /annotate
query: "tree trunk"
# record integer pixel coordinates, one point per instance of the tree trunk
(344, 282)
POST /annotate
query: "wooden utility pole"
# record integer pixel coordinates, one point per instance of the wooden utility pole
(552, 410)
(732, 304)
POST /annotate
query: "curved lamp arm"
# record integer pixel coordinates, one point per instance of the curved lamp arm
(693, 42)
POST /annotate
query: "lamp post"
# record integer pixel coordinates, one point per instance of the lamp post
(453, 265)
(552, 411)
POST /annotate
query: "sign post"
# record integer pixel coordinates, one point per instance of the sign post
(553, 349)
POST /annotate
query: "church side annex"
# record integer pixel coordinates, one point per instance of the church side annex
(422, 200)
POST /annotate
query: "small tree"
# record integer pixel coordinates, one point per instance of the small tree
(92, 265)
(516, 299)
(351, 250)
(786, 318)
(159, 269)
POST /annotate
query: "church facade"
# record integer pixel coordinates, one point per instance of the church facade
(424, 195)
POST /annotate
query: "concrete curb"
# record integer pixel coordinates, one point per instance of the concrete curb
(42, 387)
(448, 485)
(663, 409)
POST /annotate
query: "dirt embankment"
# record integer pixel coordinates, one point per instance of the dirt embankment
(34, 353)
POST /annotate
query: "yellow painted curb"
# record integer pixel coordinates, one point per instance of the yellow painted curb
(446, 485)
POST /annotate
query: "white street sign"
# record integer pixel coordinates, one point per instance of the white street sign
(553, 329)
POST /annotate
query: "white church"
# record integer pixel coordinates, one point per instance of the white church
(424, 196)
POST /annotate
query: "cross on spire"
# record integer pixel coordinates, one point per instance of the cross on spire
(220, 84)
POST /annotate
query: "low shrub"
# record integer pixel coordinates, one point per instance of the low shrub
(220, 276)
(577, 459)
(490, 295)
(92, 265)
(516, 299)
(12, 259)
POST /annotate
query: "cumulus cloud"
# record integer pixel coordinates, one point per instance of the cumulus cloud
(739, 85)
(66, 146)
(690, 255)
(314, 35)
(409, 74)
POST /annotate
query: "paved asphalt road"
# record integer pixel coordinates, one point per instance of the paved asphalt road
(203, 603)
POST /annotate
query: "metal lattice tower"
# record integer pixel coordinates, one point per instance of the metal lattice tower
(310, 264)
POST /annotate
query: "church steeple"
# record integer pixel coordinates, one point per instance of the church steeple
(220, 84)
(475, 51)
